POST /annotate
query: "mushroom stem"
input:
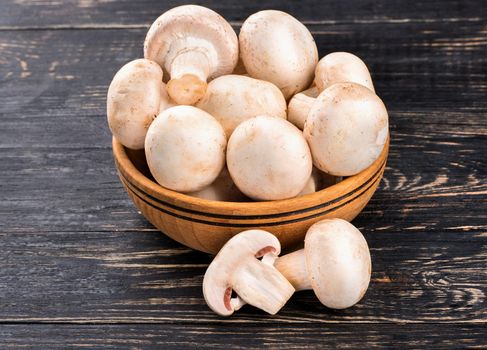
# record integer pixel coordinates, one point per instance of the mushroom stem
(300, 105)
(189, 71)
(293, 267)
(261, 285)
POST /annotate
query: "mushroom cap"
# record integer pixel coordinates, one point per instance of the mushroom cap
(268, 158)
(231, 99)
(313, 184)
(346, 129)
(276, 47)
(338, 262)
(222, 189)
(341, 67)
(188, 27)
(133, 101)
(185, 148)
(166, 101)
(239, 250)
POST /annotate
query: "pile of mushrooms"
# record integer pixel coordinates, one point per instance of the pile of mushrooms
(254, 117)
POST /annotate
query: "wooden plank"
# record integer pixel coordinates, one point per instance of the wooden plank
(224, 336)
(144, 277)
(91, 13)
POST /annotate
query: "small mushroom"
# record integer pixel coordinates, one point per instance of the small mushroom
(222, 189)
(335, 263)
(300, 105)
(342, 67)
(313, 184)
(192, 44)
(133, 101)
(237, 268)
(166, 101)
(336, 67)
(276, 47)
(185, 148)
(268, 158)
(231, 99)
(346, 129)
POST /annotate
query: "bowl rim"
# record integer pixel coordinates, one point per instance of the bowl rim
(131, 174)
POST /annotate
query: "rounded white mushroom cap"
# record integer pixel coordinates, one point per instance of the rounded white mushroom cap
(133, 101)
(341, 67)
(268, 158)
(276, 47)
(192, 43)
(346, 129)
(231, 99)
(338, 262)
(166, 101)
(222, 189)
(237, 268)
(313, 184)
(185, 148)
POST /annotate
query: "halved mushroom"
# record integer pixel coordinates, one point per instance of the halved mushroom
(133, 101)
(346, 129)
(276, 47)
(232, 99)
(237, 268)
(335, 263)
(192, 44)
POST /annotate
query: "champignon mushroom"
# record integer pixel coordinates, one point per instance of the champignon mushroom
(300, 105)
(185, 148)
(342, 67)
(222, 189)
(335, 263)
(336, 67)
(133, 101)
(192, 44)
(276, 47)
(346, 129)
(231, 99)
(313, 184)
(237, 268)
(268, 158)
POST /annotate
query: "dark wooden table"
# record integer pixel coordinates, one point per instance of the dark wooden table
(80, 268)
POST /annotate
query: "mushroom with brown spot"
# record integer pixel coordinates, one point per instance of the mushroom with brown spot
(192, 44)
(276, 47)
(185, 148)
(335, 263)
(237, 268)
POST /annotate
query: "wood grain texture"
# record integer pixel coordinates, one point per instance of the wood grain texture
(80, 267)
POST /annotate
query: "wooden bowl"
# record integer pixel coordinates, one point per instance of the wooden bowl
(206, 225)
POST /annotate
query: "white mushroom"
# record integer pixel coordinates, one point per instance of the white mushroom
(300, 105)
(133, 101)
(336, 67)
(222, 189)
(335, 263)
(268, 158)
(193, 44)
(231, 99)
(313, 184)
(342, 67)
(346, 129)
(276, 47)
(185, 148)
(237, 268)
(166, 101)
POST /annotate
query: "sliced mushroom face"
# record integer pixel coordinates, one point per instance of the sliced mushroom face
(193, 44)
(232, 99)
(342, 67)
(237, 268)
(185, 148)
(338, 263)
(276, 47)
(268, 158)
(346, 129)
(133, 101)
